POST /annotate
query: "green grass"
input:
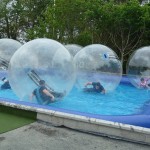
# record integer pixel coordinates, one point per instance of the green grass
(12, 118)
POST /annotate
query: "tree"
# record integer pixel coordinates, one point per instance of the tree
(128, 28)
(4, 22)
(119, 26)
(146, 18)
(19, 15)
(124, 27)
(62, 21)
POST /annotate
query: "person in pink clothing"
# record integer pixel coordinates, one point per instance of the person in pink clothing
(144, 83)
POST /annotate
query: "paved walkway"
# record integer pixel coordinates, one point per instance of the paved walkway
(40, 136)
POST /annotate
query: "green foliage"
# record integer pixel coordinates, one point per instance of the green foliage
(146, 21)
(83, 39)
(19, 15)
(121, 25)
(61, 21)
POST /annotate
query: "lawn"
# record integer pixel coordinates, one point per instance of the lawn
(11, 118)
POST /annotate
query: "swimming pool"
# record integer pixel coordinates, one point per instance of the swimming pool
(125, 105)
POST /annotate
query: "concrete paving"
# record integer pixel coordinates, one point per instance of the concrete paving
(42, 136)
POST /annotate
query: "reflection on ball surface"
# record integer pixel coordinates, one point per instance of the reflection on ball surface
(7, 49)
(139, 65)
(73, 48)
(98, 63)
(47, 58)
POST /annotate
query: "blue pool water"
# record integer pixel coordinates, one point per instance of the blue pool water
(125, 100)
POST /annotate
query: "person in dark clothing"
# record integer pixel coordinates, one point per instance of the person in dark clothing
(5, 85)
(97, 87)
(42, 95)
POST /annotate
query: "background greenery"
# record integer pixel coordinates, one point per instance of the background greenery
(123, 25)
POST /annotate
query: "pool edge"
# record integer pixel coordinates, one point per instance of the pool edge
(88, 124)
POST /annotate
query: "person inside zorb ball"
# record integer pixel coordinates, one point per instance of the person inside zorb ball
(42, 68)
(138, 68)
(7, 49)
(98, 69)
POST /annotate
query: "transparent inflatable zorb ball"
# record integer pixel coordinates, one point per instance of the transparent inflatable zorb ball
(138, 66)
(7, 49)
(73, 49)
(41, 59)
(98, 63)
